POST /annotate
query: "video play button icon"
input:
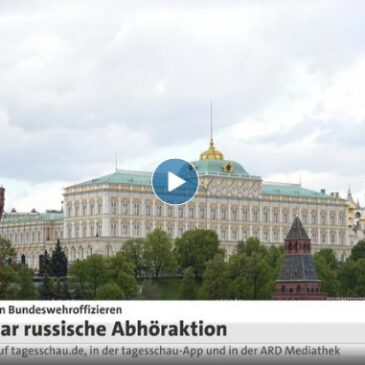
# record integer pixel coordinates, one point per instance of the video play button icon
(175, 181)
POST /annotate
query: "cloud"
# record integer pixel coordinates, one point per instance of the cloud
(85, 79)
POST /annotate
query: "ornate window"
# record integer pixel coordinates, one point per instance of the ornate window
(114, 207)
(125, 208)
(276, 216)
(245, 214)
(323, 238)
(255, 215)
(234, 234)
(213, 212)
(234, 213)
(137, 208)
(191, 211)
(125, 229)
(136, 229)
(223, 233)
(332, 218)
(333, 238)
(114, 229)
(84, 208)
(285, 216)
(305, 217)
(201, 211)
(323, 218)
(223, 213)
(148, 209)
(276, 236)
(245, 234)
(314, 217)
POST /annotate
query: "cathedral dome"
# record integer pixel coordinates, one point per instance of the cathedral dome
(212, 162)
(211, 153)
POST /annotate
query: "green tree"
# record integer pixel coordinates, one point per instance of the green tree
(8, 279)
(58, 261)
(133, 248)
(7, 252)
(87, 275)
(158, 253)
(189, 286)
(150, 290)
(26, 288)
(215, 279)
(358, 251)
(250, 277)
(352, 278)
(109, 291)
(327, 265)
(195, 248)
(8, 275)
(122, 273)
(46, 289)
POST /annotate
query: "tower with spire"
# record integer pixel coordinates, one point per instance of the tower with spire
(298, 278)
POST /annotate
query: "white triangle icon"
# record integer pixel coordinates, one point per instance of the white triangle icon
(174, 181)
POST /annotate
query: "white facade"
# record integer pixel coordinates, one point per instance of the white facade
(100, 214)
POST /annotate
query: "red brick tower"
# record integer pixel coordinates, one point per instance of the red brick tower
(298, 278)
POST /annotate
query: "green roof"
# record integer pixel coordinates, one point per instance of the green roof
(208, 167)
(219, 167)
(13, 218)
(121, 177)
(292, 190)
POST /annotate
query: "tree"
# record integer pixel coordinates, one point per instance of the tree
(352, 278)
(8, 275)
(215, 279)
(8, 278)
(109, 291)
(133, 248)
(46, 288)
(150, 290)
(121, 272)
(7, 252)
(250, 277)
(88, 275)
(58, 262)
(26, 289)
(358, 251)
(195, 248)
(158, 253)
(188, 287)
(327, 265)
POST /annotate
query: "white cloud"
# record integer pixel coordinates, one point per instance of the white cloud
(85, 79)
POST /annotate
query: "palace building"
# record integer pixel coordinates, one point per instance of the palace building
(102, 213)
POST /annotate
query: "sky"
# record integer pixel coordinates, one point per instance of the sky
(83, 80)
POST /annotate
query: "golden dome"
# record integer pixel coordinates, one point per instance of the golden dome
(211, 153)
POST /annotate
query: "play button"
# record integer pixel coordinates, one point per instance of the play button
(175, 181)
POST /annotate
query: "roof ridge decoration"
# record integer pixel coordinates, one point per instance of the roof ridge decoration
(297, 231)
